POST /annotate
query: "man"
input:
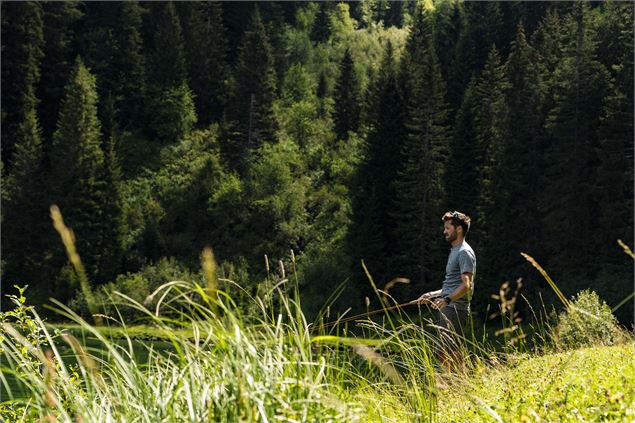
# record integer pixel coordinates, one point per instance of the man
(453, 299)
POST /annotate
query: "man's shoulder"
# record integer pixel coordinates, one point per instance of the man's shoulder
(465, 247)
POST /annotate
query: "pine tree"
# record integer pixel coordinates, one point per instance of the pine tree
(522, 163)
(273, 17)
(320, 31)
(111, 261)
(490, 125)
(347, 110)
(22, 43)
(371, 235)
(252, 105)
(322, 94)
(615, 152)
(60, 21)
(549, 41)
(25, 213)
(449, 19)
(112, 48)
(580, 86)
(172, 111)
(130, 67)
(462, 178)
(78, 169)
(420, 200)
(394, 14)
(206, 51)
(481, 27)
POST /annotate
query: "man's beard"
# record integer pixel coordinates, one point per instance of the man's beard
(451, 238)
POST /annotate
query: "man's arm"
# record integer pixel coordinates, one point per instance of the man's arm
(460, 292)
(425, 298)
(464, 288)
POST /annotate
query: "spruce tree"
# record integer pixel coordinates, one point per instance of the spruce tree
(25, 213)
(615, 151)
(550, 40)
(580, 86)
(371, 236)
(521, 166)
(22, 44)
(481, 27)
(111, 261)
(60, 22)
(130, 67)
(77, 179)
(320, 31)
(394, 14)
(112, 48)
(490, 123)
(322, 94)
(171, 106)
(420, 200)
(462, 177)
(206, 52)
(252, 105)
(347, 100)
(273, 16)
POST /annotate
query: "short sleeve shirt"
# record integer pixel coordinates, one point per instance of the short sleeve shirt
(461, 260)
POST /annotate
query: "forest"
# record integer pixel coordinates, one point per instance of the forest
(304, 138)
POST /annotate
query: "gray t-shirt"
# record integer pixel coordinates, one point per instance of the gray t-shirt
(460, 260)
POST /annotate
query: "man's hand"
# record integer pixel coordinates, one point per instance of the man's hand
(424, 299)
(439, 304)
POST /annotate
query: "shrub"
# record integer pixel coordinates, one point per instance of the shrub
(21, 323)
(137, 286)
(588, 322)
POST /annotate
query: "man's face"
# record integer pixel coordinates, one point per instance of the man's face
(449, 231)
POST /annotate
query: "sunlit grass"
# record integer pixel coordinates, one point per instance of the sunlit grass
(217, 368)
(219, 363)
(591, 384)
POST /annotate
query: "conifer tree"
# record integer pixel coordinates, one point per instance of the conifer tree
(60, 21)
(252, 105)
(273, 16)
(449, 21)
(206, 52)
(549, 40)
(25, 212)
(112, 48)
(372, 232)
(22, 44)
(420, 200)
(347, 110)
(480, 29)
(394, 14)
(172, 112)
(320, 31)
(130, 67)
(615, 152)
(490, 124)
(322, 94)
(111, 261)
(521, 166)
(462, 177)
(78, 169)
(580, 86)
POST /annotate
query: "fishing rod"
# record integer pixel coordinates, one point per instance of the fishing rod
(371, 313)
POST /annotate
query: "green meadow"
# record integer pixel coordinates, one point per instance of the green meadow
(199, 358)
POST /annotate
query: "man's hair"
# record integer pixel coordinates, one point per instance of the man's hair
(458, 219)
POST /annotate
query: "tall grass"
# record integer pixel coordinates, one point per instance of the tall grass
(224, 365)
